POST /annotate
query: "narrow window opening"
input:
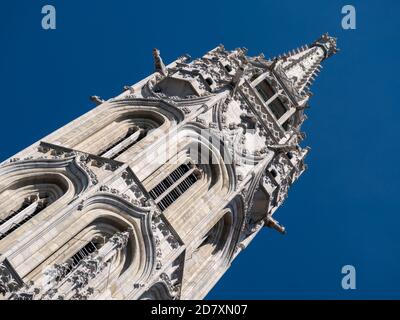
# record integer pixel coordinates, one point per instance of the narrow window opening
(276, 106)
(119, 140)
(13, 213)
(75, 260)
(173, 186)
(142, 134)
(119, 146)
(30, 208)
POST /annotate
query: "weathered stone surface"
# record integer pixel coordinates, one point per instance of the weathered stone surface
(153, 193)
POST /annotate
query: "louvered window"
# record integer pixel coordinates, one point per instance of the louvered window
(173, 186)
(73, 262)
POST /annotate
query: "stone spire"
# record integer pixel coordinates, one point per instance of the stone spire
(195, 197)
(303, 64)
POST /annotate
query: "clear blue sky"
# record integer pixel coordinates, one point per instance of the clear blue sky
(343, 210)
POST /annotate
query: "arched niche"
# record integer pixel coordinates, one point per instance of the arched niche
(87, 241)
(122, 130)
(28, 188)
(127, 124)
(210, 152)
(102, 217)
(29, 191)
(216, 176)
(214, 180)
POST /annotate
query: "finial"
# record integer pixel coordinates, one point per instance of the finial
(158, 63)
(328, 44)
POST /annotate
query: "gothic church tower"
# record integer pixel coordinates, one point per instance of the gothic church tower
(153, 193)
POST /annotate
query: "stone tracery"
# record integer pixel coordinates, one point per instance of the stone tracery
(86, 202)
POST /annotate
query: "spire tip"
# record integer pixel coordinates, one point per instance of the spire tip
(328, 44)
